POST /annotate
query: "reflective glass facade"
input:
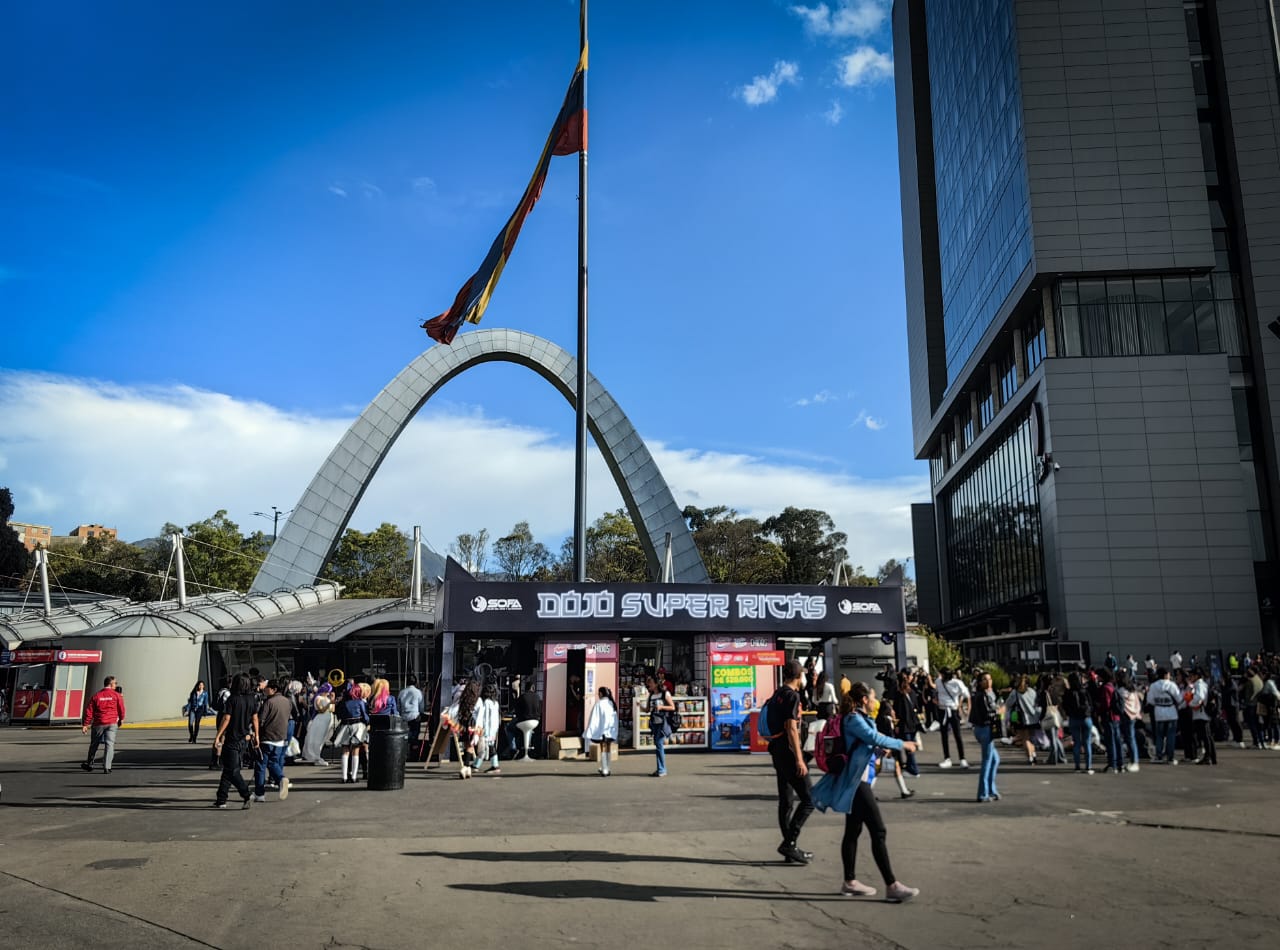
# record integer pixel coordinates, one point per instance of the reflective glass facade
(984, 218)
(993, 526)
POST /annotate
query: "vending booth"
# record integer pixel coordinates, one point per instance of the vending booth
(47, 686)
(744, 673)
(573, 672)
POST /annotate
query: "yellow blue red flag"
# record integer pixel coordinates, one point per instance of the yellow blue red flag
(568, 135)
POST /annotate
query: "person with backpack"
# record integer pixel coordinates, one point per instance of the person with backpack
(1078, 707)
(1164, 697)
(1204, 709)
(779, 722)
(847, 788)
(1130, 699)
(660, 703)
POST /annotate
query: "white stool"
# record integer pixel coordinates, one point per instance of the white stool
(527, 727)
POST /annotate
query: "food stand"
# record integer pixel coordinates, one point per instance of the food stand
(48, 685)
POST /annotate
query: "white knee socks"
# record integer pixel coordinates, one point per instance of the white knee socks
(902, 783)
(604, 762)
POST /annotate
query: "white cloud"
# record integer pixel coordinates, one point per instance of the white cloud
(859, 18)
(764, 89)
(835, 113)
(817, 399)
(423, 186)
(370, 190)
(866, 419)
(336, 189)
(132, 458)
(864, 66)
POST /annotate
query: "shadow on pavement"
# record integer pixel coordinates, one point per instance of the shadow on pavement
(611, 890)
(136, 804)
(605, 857)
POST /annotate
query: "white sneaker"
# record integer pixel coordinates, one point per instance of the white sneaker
(259, 798)
(964, 764)
(1240, 745)
(1131, 767)
(284, 788)
(899, 893)
(944, 764)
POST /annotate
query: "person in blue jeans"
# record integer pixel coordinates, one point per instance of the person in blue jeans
(1165, 699)
(660, 703)
(984, 715)
(273, 731)
(1078, 706)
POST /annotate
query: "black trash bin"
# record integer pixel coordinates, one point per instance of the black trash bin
(388, 749)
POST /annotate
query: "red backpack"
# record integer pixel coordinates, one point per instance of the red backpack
(831, 752)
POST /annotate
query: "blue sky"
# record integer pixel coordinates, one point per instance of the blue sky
(229, 222)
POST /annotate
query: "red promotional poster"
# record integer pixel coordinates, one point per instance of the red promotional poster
(31, 704)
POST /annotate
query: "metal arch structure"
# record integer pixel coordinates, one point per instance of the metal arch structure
(312, 532)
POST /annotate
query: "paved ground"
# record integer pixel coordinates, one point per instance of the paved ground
(552, 854)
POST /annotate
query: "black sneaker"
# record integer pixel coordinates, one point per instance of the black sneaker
(247, 802)
(218, 805)
(793, 854)
(86, 767)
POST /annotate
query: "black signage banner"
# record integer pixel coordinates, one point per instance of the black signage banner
(495, 607)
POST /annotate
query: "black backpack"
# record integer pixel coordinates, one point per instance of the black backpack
(1077, 704)
(1213, 703)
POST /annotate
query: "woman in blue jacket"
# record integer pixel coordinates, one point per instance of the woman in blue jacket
(196, 709)
(850, 792)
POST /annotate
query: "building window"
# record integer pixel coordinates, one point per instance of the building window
(1034, 341)
(993, 535)
(1008, 378)
(968, 431)
(1146, 316)
(986, 402)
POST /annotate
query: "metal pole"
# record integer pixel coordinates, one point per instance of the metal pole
(580, 448)
(415, 576)
(42, 560)
(275, 523)
(176, 538)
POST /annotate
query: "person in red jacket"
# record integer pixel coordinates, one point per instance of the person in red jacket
(105, 714)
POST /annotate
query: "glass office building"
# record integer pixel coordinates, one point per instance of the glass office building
(1092, 257)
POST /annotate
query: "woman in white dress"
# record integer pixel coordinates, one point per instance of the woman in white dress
(488, 717)
(603, 726)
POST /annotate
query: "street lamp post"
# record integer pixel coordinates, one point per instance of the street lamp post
(275, 516)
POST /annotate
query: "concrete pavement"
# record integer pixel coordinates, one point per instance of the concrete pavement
(550, 853)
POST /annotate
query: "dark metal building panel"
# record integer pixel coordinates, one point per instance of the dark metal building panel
(924, 534)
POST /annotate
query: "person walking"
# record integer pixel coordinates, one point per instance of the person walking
(1251, 689)
(196, 709)
(602, 726)
(273, 737)
(849, 791)
(526, 712)
(660, 703)
(795, 794)
(1230, 694)
(984, 716)
(1023, 714)
(886, 721)
(1165, 699)
(906, 706)
(1049, 695)
(237, 732)
(827, 700)
(953, 703)
(104, 714)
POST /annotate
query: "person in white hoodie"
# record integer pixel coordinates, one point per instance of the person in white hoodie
(602, 727)
(488, 719)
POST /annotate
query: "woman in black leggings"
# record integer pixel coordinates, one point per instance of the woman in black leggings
(849, 791)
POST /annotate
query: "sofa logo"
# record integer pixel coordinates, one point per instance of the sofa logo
(481, 604)
(854, 607)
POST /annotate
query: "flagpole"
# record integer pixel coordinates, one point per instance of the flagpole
(580, 458)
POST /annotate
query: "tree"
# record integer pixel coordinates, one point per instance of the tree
(519, 556)
(811, 545)
(614, 553)
(218, 556)
(943, 654)
(106, 566)
(471, 550)
(734, 549)
(15, 560)
(377, 564)
(910, 598)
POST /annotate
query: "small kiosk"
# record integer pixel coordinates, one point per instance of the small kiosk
(46, 686)
(722, 640)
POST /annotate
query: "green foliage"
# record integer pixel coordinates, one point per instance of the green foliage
(107, 566)
(219, 557)
(1000, 680)
(614, 553)
(942, 652)
(15, 561)
(808, 540)
(377, 564)
(734, 549)
(519, 556)
(471, 550)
